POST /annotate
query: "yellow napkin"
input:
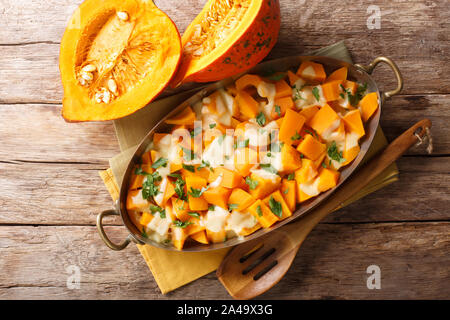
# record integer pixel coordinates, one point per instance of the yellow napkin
(173, 269)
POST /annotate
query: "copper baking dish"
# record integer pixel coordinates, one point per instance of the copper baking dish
(356, 72)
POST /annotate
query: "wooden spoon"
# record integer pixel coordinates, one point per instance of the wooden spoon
(254, 267)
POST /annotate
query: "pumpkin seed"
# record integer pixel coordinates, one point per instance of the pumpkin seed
(89, 68)
(122, 15)
(87, 76)
(112, 86)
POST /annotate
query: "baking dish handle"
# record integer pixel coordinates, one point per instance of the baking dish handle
(369, 68)
(101, 231)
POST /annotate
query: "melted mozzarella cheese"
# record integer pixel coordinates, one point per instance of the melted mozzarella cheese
(351, 140)
(327, 133)
(216, 219)
(160, 225)
(220, 152)
(216, 183)
(162, 190)
(309, 72)
(310, 188)
(266, 175)
(238, 221)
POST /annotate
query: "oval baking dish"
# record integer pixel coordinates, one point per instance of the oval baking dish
(357, 73)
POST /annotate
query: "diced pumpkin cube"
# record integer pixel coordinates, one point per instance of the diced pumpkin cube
(186, 117)
(203, 172)
(332, 90)
(145, 218)
(292, 124)
(307, 172)
(275, 202)
(217, 196)
(244, 160)
(196, 183)
(290, 158)
(248, 106)
(282, 89)
(324, 119)
(311, 147)
(352, 147)
(311, 71)
(247, 80)
(178, 237)
(279, 122)
(180, 209)
(194, 226)
(230, 179)
(308, 113)
(146, 158)
(200, 237)
(135, 201)
(368, 105)
(319, 160)
(328, 179)
(339, 74)
(264, 185)
(234, 122)
(354, 123)
(280, 106)
(240, 198)
(262, 212)
(292, 77)
(247, 231)
(216, 237)
(289, 192)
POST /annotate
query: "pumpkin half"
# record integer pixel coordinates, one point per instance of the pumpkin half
(228, 37)
(116, 56)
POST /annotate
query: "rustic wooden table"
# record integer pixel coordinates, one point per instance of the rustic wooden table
(51, 192)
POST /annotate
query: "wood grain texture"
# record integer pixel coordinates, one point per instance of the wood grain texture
(31, 33)
(329, 265)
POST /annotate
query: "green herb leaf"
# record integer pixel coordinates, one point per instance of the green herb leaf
(296, 136)
(149, 189)
(212, 125)
(194, 214)
(324, 165)
(188, 167)
(188, 154)
(211, 207)
(276, 76)
(144, 233)
(232, 206)
(278, 110)
(196, 131)
(286, 191)
(252, 184)
(334, 153)
(197, 193)
(275, 207)
(269, 168)
(203, 165)
(241, 143)
(259, 211)
(261, 119)
(162, 212)
(182, 225)
(315, 92)
(179, 189)
(161, 162)
(291, 176)
(175, 175)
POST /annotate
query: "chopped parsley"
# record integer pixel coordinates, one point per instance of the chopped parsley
(276, 76)
(286, 191)
(278, 110)
(252, 184)
(233, 206)
(179, 189)
(334, 153)
(203, 165)
(261, 119)
(259, 211)
(291, 176)
(296, 136)
(211, 207)
(161, 162)
(188, 154)
(175, 175)
(188, 167)
(315, 92)
(275, 207)
(162, 212)
(241, 143)
(149, 189)
(139, 171)
(196, 131)
(269, 168)
(180, 224)
(197, 193)
(212, 125)
(194, 214)
(144, 233)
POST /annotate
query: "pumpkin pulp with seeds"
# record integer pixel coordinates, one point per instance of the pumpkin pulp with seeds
(116, 56)
(248, 155)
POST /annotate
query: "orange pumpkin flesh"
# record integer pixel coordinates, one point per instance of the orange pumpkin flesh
(116, 56)
(228, 37)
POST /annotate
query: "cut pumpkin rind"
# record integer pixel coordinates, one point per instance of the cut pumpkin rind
(228, 37)
(116, 56)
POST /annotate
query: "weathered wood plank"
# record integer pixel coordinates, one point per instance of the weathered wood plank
(39, 133)
(29, 73)
(331, 264)
(66, 194)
